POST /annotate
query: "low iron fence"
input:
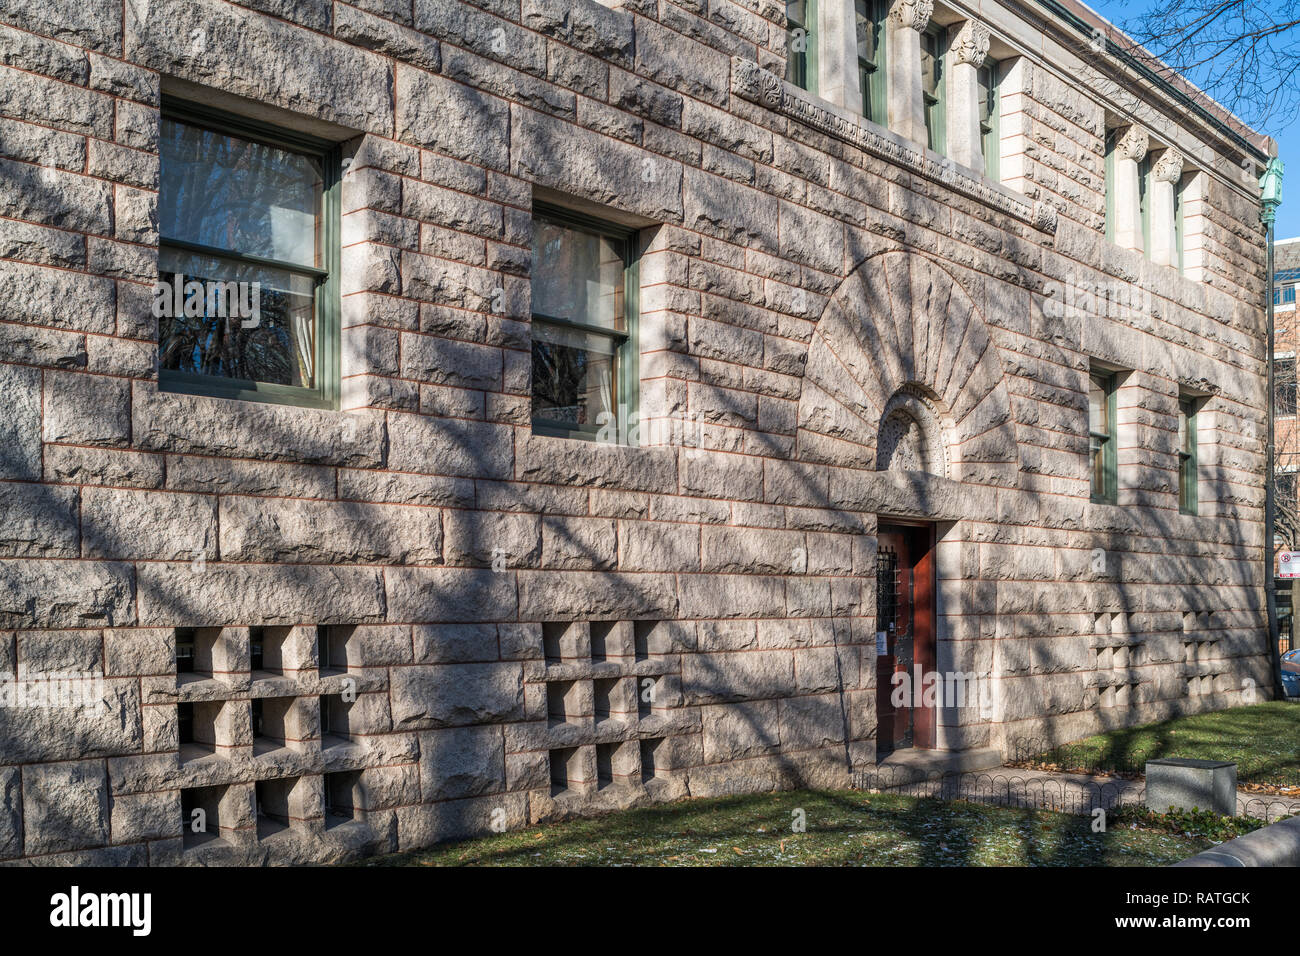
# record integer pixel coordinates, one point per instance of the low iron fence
(1071, 789)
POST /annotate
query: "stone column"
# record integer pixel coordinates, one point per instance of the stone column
(837, 54)
(907, 19)
(1130, 148)
(1166, 172)
(966, 52)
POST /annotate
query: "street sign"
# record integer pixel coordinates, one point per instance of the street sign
(1288, 564)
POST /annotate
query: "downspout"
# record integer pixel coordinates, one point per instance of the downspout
(1270, 187)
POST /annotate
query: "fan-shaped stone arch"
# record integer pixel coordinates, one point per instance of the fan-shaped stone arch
(898, 331)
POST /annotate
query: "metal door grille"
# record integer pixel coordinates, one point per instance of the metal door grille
(886, 589)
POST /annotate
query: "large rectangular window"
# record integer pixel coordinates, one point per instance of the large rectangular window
(990, 144)
(248, 260)
(1178, 220)
(932, 89)
(1101, 436)
(1110, 185)
(801, 44)
(1187, 471)
(869, 26)
(1144, 202)
(584, 292)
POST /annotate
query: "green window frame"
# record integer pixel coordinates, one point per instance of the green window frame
(324, 276)
(624, 343)
(869, 28)
(1101, 436)
(1188, 473)
(801, 30)
(1110, 185)
(990, 108)
(933, 83)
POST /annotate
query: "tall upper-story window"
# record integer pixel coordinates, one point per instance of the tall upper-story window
(248, 260)
(869, 25)
(1179, 225)
(1110, 144)
(990, 142)
(1101, 436)
(584, 293)
(1145, 196)
(1187, 470)
(932, 88)
(1144, 201)
(800, 44)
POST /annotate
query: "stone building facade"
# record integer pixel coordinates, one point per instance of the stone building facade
(441, 560)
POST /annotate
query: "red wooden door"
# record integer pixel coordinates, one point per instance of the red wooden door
(905, 632)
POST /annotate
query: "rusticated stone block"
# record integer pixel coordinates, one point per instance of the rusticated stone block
(86, 409)
(493, 538)
(709, 678)
(214, 594)
(284, 530)
(435, 113)
(242, 53)
(449, 447)
(599, 465)
(65, 806)
(429, 823)
(456, 643)
(44, 593)
(11, 813)
(148, 524)
(811, 722)
(736, 731)
(20, 427)
(449, 594)
(451, 695)
(461, 762)
(38, 520)
(146, 816)
(573, 595)
(593, 167)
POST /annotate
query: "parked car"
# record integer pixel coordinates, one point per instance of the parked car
(1291, 673)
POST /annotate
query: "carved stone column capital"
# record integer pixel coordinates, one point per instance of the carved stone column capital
(1169, 167)
(970, 43)
(1132, 143)
(912, 13)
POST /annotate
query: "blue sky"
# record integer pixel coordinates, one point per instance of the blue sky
(1283, 129)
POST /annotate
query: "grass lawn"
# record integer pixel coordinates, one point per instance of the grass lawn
(1262, 739)
(844, 828)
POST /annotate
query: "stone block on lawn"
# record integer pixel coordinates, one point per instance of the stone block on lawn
(1186, 784)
